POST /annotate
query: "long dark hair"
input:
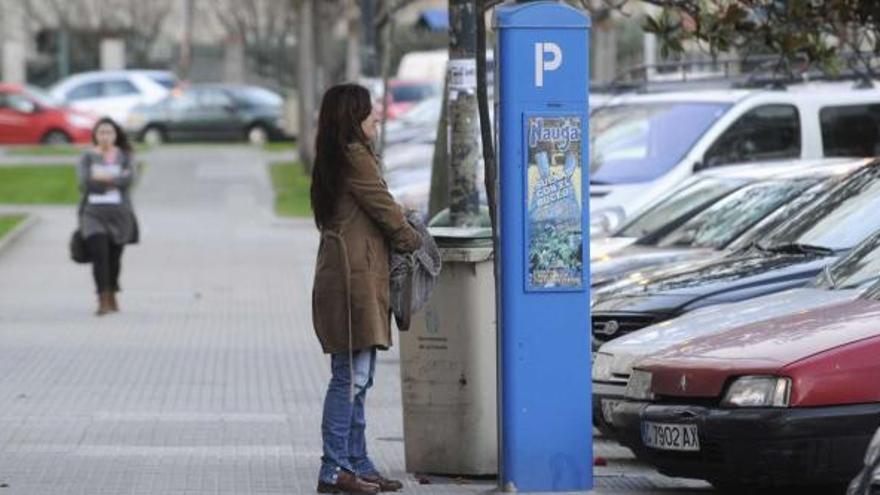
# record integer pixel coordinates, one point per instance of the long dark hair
(121, 142)
(343, 108)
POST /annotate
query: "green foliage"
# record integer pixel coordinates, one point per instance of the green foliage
(291, 185)
(827, 35)
(39, 184)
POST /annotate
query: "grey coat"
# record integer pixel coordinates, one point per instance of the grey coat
(118, 221)
(413, 275)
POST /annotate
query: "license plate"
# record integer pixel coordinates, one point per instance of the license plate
(665, 436)
(608, 406)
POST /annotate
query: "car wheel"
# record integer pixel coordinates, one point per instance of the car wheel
(154, 136)
(258, 135)
(56, 138)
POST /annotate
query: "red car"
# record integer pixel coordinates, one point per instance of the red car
(792, 400)
(27, 116)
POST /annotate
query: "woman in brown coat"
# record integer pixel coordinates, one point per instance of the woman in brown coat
(360, 223)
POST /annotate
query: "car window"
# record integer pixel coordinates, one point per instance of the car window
(772, 221)
(258, 97)
(844, 217)
(185, 101)
(409, 93)
(859, 267)
(168, 82)
(640, 142)
(214, 98)
(684, 201)
(119, 87)
(852, 130)
(726, 219)
(86, 90)
(770, 132)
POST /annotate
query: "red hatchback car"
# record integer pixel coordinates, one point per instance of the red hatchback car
(787, 401)
(29, 117)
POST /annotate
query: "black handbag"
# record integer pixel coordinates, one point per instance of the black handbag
(79, 251)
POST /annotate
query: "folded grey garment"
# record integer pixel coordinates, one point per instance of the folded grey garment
(413, 275)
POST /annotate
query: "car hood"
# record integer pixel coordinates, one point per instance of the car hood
(716, 319)
(729, 273)
(602, 248)
(705, 364)
(632, 258)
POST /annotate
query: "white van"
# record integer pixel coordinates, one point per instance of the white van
(642, 145)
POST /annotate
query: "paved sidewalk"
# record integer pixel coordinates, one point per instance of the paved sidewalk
(210, 381)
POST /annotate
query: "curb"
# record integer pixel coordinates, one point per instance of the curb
(13, 235)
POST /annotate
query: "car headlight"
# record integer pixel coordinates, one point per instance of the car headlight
(758, 391)
(604, 220)
(639, 386)
(602, 366)
(80, 121)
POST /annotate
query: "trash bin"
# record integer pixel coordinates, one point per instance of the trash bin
(448, 362)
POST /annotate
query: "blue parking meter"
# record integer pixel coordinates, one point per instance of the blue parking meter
(542, 80)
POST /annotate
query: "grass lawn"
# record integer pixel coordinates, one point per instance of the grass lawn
(8, 222)
(280, 146)
(39, 184)
(58, 150)
(291, 186)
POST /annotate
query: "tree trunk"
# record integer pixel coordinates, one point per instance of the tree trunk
(464, 150)
(353, 43)
(439, 195)
(306, 93)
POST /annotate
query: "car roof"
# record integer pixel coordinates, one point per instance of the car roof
(785, 168)
(836, 91)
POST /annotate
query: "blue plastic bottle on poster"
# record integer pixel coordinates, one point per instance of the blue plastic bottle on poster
(545, 425)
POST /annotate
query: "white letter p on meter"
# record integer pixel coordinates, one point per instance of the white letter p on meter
(541, 65)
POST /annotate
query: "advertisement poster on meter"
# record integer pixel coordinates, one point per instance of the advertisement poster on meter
(554, 230)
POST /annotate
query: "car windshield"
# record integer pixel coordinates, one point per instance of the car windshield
(408, 93)
(42, 97)
(728, 218)
(258, 97)
(164, 80)
(846, 216)
(640, 142)
(685, 201)
(860, 267)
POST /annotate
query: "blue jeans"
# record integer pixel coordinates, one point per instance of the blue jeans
(343, 424)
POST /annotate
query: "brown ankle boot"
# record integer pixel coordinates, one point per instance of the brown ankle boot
(114, 306)
(348, 483)
(385, 484)
(103, 303)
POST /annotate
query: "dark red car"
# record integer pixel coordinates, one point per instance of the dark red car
(27, 116)
(791, 400)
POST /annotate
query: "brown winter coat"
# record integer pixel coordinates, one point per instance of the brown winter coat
(352, 273)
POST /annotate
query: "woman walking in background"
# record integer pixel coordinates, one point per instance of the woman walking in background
(107, 218)
(360, 223)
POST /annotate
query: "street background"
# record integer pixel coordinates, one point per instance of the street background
(210, 380)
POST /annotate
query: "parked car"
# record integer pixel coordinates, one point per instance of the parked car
(843, 281)
(792, 400)
(211, 112)
(402, 94)
(114, 93)
(642, 145)
(29, 116)
(419, 124)
(731, 222)
(788, 257)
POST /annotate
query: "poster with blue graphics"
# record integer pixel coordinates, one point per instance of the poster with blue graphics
(554, 230)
